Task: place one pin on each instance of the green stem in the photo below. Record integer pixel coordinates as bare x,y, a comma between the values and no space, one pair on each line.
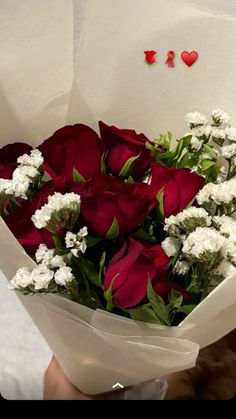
74,291
231,213
86,283
230,176
229,168
58,240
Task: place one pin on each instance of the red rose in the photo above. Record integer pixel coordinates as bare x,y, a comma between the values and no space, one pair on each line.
123,144
130,269
150,56
20,222
73,147
106,198
8,158
180,187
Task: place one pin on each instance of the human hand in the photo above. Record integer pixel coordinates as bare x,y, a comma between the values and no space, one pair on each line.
58,387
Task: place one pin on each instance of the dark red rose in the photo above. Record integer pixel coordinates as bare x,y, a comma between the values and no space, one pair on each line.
20,221
150,56
73,147
180,187
123,144
8,158
130,270
106,198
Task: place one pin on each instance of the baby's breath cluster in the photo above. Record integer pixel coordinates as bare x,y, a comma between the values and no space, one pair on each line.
26,177
61,211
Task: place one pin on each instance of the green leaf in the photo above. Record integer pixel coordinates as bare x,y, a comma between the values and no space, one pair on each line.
175,299
157,304
127,168
141,234
82,280
213,173
160,199
103,163
188,161
13,204
187,309
171,158
92,241
149,146
206,165
170,136
77,177
182,144
102,266
144,314
194,287
90,271
130,179
164,158
219,141
210,150
108,294
113,231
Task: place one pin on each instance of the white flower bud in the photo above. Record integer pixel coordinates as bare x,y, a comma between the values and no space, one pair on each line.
171,246
22,279
42,277
64,276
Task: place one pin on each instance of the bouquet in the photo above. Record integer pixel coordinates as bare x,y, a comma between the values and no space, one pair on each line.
131,243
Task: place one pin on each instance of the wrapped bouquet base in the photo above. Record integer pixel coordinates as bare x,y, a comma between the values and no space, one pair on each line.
97,349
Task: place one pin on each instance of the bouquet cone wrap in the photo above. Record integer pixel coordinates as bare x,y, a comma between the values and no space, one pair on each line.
97,349
110,81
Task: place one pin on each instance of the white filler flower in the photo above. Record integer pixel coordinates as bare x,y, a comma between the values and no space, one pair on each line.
226,269
57,262
171,223
64,276
193,213
6,187
35,159
22,279
171,246
195,118
188,220
77,242
202,131
202,241
219,134
48,257
181,267
43,254
42,276
231,134
70,239
22,177
220,117
196,144
228,151
223,193
56,203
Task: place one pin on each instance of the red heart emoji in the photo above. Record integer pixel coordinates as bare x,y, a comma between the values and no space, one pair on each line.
189,58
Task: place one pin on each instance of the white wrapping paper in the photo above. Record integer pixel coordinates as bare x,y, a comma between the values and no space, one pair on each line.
112,82
36,67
